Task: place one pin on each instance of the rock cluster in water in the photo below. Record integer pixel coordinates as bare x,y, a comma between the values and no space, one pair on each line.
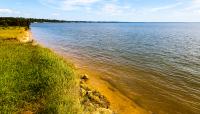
92,100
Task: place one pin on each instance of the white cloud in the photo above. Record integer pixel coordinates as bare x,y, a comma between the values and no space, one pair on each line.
6,11
68,5
75,4
55,14
196,1
195,5
116,10
112,9
166,7
180,10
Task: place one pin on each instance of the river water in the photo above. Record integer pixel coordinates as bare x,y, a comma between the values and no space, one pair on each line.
157,65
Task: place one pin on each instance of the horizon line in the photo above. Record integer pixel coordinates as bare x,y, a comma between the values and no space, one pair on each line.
98,21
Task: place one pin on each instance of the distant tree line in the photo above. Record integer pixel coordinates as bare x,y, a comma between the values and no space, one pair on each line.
24,22
10,21
32,20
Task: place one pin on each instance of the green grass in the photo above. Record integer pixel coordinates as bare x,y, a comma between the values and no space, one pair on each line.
33,78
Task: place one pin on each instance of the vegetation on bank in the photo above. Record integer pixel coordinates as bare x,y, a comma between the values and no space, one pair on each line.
12,32
10,21
23,22
34,79
15,21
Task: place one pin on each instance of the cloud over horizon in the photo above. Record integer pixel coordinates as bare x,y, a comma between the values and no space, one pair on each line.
106,10
68,5
8,11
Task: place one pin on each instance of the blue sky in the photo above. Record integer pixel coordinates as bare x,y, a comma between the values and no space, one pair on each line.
105,10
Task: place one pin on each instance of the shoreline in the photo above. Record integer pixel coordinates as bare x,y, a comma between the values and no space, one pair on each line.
119,103
96,110
149,97
34,79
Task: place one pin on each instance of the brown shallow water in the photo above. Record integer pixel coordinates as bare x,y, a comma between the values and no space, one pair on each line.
120,103
155,65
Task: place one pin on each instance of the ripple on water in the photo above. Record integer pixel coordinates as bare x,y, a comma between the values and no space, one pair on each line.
157,65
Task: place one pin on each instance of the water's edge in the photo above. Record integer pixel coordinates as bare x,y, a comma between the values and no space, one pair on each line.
156,65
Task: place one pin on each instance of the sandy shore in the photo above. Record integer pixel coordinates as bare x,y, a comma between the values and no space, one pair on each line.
120,104
27,37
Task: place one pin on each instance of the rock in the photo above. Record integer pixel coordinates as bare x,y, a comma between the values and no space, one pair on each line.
85,77
34,43
84,86
91,105
93,100
89,93
83,92
82,82
103,111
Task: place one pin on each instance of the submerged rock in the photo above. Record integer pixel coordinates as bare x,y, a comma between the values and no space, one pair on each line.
93,101
103,111
83,92
34,43
94,97
85,77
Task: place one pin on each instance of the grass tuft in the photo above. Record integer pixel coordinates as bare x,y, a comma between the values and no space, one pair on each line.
34,79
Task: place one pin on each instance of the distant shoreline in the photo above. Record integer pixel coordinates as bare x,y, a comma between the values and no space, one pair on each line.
107,22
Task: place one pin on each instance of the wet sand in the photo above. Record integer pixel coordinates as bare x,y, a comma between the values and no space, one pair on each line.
120,104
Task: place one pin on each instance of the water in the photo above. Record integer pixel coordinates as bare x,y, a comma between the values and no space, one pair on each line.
157,65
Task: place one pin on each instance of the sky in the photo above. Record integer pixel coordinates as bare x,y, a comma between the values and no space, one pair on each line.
105,10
